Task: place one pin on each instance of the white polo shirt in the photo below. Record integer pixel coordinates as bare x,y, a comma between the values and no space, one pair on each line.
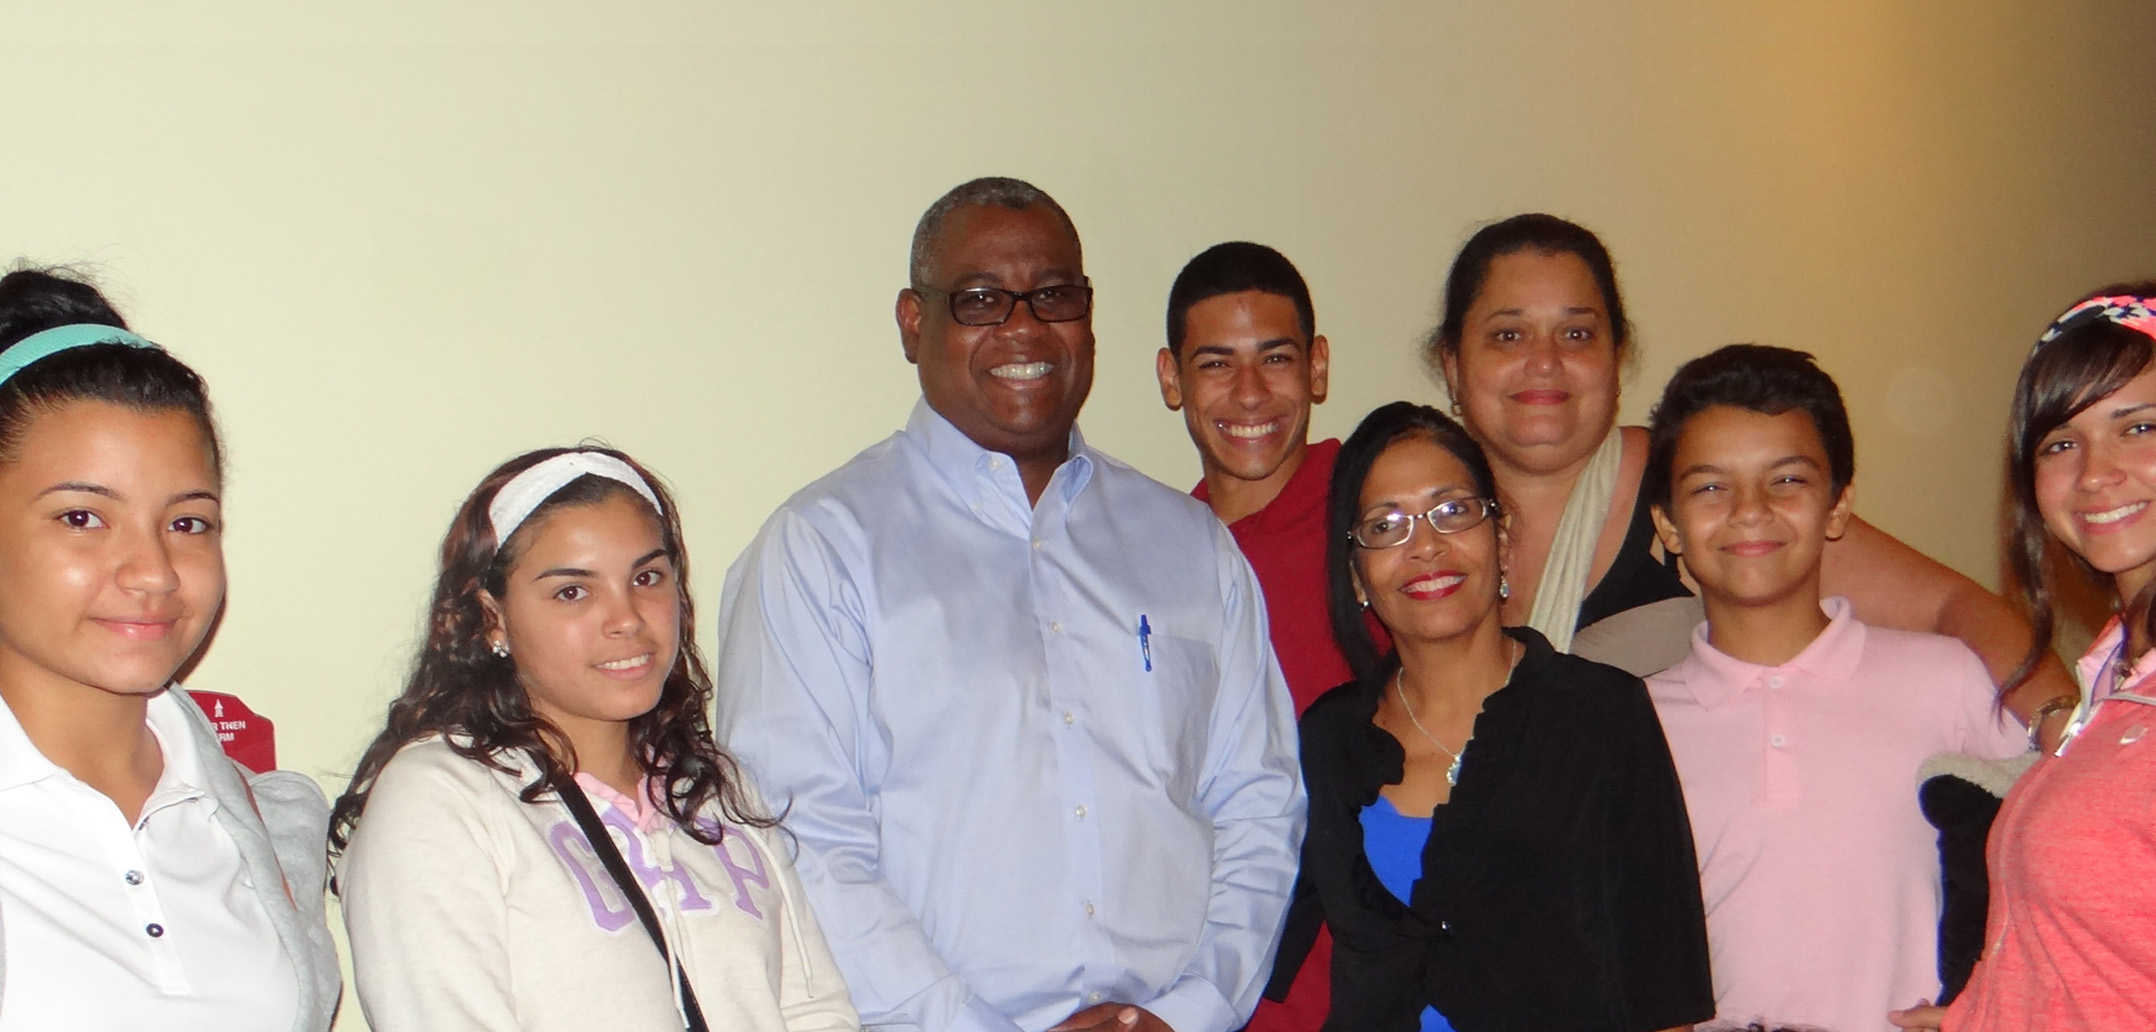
110,926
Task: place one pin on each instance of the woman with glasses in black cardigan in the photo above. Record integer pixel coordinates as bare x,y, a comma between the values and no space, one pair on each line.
1497,837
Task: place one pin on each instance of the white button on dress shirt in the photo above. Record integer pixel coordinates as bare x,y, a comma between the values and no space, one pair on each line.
108,925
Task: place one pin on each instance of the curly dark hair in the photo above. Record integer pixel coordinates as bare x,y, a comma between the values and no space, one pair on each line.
461,690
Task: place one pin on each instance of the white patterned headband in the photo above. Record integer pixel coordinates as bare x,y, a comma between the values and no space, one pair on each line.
526,491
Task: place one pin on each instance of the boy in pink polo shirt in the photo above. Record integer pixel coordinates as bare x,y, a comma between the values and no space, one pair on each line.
1797,729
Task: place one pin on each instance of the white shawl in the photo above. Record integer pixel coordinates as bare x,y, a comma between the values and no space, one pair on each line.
1572,552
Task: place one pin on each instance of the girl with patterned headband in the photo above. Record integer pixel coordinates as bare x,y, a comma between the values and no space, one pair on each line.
2072,927
145,880
547,783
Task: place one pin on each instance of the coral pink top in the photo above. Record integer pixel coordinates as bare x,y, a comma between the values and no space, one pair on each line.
2073,873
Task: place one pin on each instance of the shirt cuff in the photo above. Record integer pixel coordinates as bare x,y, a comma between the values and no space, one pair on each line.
1193,1004
946,1006
978,1016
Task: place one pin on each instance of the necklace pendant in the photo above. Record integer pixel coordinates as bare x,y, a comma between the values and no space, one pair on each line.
1452,773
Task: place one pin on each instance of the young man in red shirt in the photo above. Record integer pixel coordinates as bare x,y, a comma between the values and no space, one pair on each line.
1244,364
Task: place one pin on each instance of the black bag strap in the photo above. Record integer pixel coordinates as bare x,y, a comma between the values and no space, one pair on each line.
603,844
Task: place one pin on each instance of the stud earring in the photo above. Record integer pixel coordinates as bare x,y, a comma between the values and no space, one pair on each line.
501,649
1363,602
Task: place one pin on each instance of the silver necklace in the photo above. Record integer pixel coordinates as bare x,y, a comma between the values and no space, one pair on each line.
1452,773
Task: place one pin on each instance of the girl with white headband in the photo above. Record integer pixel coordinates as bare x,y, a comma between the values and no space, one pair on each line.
145,880
545,836
2071,933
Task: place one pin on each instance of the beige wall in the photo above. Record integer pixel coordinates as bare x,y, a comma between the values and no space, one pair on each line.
405,242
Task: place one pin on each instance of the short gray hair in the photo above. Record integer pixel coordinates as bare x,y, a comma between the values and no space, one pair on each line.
1002,191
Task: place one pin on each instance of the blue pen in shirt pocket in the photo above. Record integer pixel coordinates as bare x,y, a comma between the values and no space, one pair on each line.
1145,642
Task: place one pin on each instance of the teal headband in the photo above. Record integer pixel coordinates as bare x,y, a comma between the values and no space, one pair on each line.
38,346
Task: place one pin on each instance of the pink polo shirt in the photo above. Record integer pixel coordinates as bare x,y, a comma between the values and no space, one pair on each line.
2072,926
1820,873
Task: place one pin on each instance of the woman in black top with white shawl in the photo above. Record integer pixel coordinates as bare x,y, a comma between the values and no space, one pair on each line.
1555,888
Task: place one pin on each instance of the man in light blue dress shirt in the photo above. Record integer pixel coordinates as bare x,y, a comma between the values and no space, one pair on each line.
1019,696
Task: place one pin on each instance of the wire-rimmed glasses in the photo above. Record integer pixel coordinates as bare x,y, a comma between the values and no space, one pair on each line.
1451,516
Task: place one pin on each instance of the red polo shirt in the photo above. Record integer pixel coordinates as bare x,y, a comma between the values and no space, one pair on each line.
1285,543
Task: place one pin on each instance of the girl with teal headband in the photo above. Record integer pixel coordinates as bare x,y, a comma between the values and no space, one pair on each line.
145,880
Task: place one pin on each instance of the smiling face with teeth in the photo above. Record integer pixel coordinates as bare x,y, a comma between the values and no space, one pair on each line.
591,613
1015,388
1435,587
2094,479
1245,379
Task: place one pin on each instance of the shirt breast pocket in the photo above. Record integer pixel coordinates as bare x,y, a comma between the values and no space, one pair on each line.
1175,703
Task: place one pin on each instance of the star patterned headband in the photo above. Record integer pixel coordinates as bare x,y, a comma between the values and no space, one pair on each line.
2134,313
47,343
513,504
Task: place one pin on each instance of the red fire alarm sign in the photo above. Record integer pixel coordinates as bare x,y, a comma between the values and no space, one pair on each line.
248,737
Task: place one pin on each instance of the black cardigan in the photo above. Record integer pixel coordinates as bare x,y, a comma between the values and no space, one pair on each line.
1559,889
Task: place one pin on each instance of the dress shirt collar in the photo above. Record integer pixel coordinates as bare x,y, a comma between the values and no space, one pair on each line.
966,466
642,809
21,763
1714,677
1301,498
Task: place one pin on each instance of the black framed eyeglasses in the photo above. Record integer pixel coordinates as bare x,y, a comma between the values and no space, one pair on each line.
1451,516
992,306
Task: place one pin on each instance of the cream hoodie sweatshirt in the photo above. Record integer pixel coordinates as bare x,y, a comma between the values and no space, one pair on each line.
470,909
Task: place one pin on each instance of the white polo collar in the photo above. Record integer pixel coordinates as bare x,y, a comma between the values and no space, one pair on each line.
20,762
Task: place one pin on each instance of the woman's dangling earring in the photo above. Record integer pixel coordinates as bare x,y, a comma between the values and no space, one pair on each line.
1504,588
